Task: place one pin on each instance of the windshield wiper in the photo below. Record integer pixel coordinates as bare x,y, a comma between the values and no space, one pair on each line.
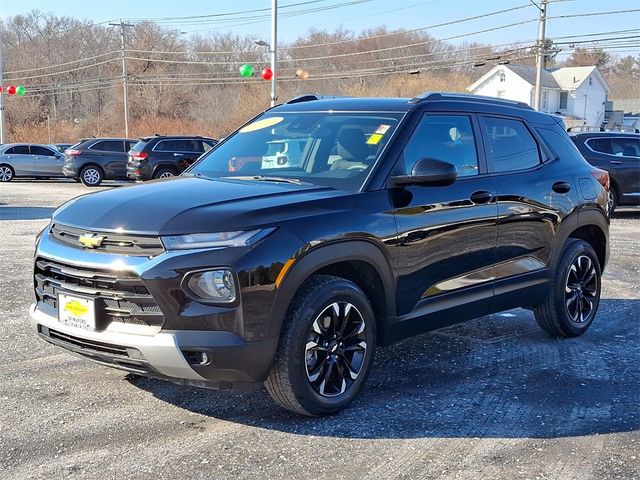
264,178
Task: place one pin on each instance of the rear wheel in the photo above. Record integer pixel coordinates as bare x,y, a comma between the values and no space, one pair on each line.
91,176
164,173
6,173
574,294
326,347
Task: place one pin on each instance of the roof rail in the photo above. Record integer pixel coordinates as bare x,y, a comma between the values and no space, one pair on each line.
309,97
425,96
467,96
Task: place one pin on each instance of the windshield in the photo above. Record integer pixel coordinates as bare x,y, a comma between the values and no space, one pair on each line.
324,148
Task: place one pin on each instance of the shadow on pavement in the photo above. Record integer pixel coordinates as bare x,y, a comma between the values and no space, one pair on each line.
25,213
497,376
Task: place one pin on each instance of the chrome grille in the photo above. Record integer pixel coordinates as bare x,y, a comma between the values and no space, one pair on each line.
121,244
120,296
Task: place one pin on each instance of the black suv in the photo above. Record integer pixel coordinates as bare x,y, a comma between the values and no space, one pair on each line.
619,154
401,216
93,160
165,156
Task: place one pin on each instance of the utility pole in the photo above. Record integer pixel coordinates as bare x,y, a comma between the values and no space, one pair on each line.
2,94
274,49
540,53
123,47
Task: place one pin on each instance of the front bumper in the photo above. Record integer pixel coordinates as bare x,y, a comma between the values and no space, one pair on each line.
233,364
169,350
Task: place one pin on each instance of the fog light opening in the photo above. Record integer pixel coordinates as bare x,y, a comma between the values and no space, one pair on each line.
196,357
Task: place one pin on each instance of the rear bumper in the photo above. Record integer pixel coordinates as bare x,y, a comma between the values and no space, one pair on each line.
170,355
70,171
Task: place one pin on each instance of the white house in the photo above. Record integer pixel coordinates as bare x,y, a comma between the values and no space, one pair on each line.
578,94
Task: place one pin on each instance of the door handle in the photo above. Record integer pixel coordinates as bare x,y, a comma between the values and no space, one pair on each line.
615,162
561,187
481,197
178,154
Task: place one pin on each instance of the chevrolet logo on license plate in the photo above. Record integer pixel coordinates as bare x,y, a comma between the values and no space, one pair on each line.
91,240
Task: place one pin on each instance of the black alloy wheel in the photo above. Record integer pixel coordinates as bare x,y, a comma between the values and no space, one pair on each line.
581,289
336,348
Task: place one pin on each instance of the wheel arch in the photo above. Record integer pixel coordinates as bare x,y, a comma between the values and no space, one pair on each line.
160,166
359,261
590,225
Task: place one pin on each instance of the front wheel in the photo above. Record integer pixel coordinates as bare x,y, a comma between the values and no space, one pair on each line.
612,200
574,294
326,347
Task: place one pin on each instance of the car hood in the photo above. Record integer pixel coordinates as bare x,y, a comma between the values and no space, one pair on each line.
196,205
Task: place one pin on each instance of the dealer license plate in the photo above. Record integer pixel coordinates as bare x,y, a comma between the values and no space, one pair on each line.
76,312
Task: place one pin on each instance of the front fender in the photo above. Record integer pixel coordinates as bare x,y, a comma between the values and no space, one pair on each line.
311,260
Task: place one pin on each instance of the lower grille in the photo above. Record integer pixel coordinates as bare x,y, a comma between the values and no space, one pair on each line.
119,296
84,344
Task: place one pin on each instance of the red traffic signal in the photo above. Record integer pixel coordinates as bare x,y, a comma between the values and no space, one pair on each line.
11,89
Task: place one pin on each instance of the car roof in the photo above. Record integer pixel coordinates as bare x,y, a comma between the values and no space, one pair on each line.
164,137
97,139
5,145
428,101
582,135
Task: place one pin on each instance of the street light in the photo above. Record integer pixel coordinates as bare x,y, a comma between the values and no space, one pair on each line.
262,43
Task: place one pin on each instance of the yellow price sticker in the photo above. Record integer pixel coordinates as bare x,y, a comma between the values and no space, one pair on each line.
374,139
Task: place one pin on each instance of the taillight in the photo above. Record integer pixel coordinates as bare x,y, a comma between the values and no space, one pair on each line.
602,176
282,160
73,152
139,155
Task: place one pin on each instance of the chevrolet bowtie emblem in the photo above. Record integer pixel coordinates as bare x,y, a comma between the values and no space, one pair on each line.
91,240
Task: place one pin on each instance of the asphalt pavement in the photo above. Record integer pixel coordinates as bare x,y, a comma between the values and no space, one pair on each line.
494,398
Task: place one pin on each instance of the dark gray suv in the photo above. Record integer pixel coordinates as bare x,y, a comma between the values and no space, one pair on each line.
96,159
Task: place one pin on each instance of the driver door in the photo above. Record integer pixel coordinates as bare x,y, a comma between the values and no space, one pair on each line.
447,235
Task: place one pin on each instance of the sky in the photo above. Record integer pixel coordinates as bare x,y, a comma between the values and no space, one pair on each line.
355,15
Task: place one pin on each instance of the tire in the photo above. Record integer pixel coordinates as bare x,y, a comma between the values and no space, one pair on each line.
6,173
164,173
613,200
91,176
577,276
309,374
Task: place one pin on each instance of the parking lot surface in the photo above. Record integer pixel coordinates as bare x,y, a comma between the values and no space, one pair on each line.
494,398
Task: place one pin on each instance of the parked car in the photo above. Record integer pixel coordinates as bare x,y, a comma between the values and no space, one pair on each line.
93,160
164,156
29,160
619,154
434,210
61,147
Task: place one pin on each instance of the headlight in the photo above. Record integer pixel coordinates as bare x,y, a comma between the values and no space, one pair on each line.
213,240
216,286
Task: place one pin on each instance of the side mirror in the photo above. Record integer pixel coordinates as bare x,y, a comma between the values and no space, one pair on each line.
429,172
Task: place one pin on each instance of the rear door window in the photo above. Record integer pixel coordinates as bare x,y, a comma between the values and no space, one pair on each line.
510,144
601,145
109,146
42,151
166,146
